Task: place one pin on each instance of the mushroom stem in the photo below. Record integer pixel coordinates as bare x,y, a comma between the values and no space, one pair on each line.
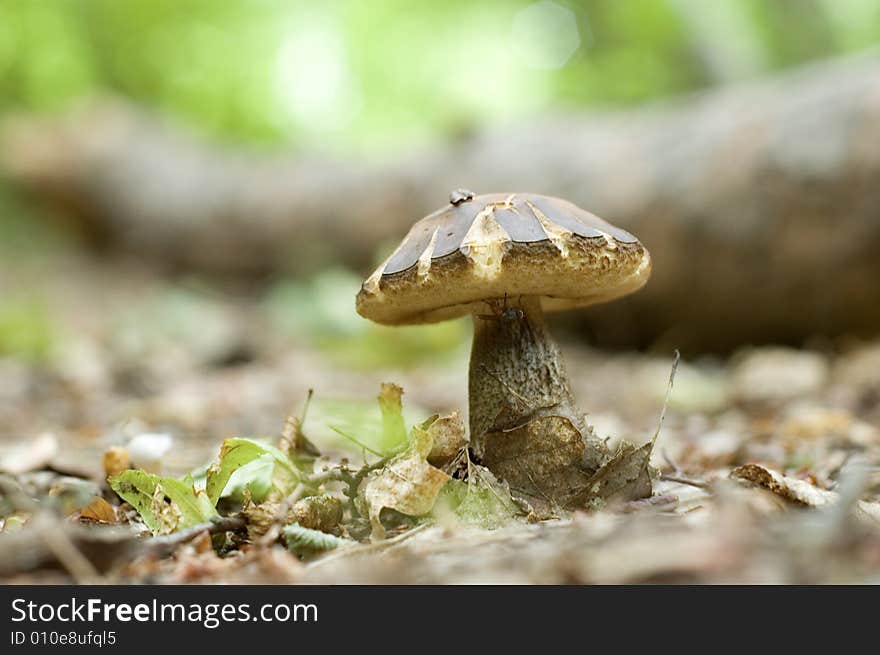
516,370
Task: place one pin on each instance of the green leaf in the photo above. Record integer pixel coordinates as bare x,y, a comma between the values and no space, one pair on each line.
239,452
305,541
254,479
393,425
481,501
383,438
165,504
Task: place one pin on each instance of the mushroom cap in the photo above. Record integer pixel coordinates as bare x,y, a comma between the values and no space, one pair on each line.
498,245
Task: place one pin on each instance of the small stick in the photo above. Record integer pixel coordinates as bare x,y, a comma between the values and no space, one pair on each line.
280,520
669,461
684,480
66,552
675,362
57,539
165,545
674,477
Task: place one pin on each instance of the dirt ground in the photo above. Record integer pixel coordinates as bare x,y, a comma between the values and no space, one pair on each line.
769,457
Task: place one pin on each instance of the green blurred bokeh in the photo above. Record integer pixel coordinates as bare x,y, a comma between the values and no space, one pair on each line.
390,73
319,311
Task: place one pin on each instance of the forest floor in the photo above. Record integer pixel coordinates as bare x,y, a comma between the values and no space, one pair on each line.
769,459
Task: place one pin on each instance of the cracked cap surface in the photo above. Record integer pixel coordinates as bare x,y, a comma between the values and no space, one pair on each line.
484,247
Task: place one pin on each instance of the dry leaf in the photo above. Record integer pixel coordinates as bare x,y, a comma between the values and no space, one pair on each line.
116,460
318,512
799,492
448,437
293,440
263,517
99,511
407,483
792,489
625,477
541,461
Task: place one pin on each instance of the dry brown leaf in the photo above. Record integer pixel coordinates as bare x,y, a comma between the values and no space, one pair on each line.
796,491
541,461
448,436
99,511
116,460
263,517
293,440
407,483
625,477
800,492
318,512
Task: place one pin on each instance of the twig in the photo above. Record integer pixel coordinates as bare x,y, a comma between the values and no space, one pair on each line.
675,362
676,475
671,463
684,480
68,554
55,537
332,474
653,502
166,544
280,520
355,483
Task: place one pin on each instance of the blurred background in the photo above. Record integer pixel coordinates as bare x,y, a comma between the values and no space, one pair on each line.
191,193
357,77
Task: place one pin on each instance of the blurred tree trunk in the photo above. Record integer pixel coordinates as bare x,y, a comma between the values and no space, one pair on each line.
760,202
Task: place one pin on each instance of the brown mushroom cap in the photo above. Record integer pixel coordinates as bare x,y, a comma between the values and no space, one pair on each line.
503,244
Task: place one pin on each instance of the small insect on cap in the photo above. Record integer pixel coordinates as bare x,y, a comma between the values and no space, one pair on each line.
503,244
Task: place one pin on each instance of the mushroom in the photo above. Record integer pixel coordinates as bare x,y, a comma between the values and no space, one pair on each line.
505,259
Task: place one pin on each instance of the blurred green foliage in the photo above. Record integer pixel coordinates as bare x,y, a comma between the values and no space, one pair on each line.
350,74
25,329
26,229
320,311
355,425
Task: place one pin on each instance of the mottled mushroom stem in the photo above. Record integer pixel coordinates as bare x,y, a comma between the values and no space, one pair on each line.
516,370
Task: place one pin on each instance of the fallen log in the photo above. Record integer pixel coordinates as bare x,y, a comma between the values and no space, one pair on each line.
760,202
